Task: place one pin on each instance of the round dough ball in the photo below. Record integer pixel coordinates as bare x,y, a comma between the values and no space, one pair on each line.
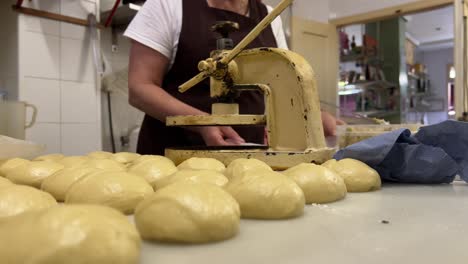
202,164
125,157
104,164
10,164
153,169
73,161
100,155
188,212
119,190
50,157
59,183
204,176
148,157
33,172
330,164
239,166
266,194
357,175
4,182
16,199
72,234
319,184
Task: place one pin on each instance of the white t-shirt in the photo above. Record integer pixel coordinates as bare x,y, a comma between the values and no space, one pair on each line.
159,22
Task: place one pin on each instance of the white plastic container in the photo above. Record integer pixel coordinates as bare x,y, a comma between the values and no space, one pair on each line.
13,118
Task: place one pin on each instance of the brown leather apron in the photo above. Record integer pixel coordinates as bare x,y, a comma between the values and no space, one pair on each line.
196,41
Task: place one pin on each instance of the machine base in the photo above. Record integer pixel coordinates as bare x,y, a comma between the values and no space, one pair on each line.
278,160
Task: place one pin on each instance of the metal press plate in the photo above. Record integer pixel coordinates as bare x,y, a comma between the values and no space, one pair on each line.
216,120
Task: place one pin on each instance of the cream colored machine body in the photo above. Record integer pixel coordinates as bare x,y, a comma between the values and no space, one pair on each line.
292,115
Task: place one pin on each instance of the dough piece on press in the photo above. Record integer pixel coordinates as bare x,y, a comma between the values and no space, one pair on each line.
319,184
104,164
204,176
202,164
72,234
5,182
238,166
125,157
50,157
16,199
357,175
59,183
152,168
10,164
33,172
119,190
73,161
100,155
266,194
188,212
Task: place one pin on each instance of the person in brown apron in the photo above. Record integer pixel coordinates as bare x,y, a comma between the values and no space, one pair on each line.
147,76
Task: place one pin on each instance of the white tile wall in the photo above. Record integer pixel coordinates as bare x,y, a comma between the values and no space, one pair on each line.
45,133
45,95
79,102
41,25
78,9
49,6
76,61
79,139
57,74
39,55
37,24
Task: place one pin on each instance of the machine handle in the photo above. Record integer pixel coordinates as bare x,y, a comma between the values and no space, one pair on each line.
266,21
194,81
34,115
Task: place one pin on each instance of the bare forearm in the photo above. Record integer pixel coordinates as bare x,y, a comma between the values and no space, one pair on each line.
156,102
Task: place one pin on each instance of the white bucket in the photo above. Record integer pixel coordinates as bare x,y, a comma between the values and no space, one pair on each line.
13,118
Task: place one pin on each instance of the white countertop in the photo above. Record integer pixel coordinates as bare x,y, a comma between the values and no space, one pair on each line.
427,224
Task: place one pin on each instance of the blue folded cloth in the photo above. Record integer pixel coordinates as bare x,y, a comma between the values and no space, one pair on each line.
436,154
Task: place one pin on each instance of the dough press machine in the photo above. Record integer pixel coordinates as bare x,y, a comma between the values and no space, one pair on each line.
292,107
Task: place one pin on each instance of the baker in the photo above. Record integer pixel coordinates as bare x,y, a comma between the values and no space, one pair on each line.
169,38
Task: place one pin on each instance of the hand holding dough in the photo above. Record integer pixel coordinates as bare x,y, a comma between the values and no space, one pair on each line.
202,164
204,176
239,166
16,199
188,212
59,183
266,195
120,190
319,184
152,168
72,234
357,175
34,172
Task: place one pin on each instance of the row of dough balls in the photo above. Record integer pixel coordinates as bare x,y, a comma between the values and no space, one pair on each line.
196,211
253,191
120,183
